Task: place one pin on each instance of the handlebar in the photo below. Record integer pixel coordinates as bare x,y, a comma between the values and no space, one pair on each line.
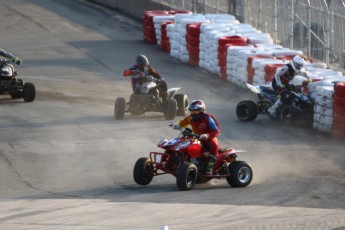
187,132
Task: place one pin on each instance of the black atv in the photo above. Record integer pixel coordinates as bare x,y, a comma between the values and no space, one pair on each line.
10,85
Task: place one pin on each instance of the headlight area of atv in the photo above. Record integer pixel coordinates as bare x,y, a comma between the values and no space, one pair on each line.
161,143
182,145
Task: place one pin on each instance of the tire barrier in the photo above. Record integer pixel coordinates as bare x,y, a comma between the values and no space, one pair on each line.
223,44
193,42
151,23
165,42
148,25
323,109
339,110
158,22
240,54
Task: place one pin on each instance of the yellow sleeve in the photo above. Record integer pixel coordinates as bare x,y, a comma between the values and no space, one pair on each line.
185,122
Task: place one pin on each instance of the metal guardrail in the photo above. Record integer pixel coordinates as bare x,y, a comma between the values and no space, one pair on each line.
316,27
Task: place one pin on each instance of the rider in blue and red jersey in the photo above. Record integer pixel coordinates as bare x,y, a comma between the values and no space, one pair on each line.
204,125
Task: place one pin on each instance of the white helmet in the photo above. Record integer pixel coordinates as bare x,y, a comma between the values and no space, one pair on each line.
297,63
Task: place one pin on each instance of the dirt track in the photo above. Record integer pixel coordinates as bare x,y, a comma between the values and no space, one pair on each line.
65,163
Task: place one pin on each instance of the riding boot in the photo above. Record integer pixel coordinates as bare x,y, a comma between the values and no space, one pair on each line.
274,107
210,165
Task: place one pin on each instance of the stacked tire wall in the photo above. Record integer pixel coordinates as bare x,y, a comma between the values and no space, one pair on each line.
339,110
244,64
240,54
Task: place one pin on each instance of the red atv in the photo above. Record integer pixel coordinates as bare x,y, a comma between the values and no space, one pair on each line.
183,158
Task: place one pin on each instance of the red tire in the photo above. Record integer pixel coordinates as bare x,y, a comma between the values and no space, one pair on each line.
340,110
268,77
238,40
194,56
338,100
194,29
252,58
222,49
338,133
340,119
193,62
339,89
193,49
194,41
271,68
180,12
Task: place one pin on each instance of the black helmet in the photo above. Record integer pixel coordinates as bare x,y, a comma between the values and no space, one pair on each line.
142,60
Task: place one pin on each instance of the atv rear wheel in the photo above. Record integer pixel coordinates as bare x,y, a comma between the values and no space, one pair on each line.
170,109
186,176
143,171
246,111
119,109
241,174
182,104
29,92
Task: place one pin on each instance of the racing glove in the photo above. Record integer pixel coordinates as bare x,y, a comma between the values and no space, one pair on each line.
281,86
16,60
175,126
204,136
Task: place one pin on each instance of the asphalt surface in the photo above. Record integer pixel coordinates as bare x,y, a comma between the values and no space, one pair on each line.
66,163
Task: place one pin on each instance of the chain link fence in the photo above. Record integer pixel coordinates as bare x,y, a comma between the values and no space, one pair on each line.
315,27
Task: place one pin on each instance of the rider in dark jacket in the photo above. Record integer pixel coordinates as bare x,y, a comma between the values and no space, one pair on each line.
142,69
281,82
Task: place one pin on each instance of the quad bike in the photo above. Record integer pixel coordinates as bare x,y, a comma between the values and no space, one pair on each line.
184,158
297,106
146,98
10,85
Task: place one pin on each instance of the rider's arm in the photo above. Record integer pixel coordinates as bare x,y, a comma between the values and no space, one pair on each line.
154,73
184,122
130,72
127,73
214,130
6,54
279,73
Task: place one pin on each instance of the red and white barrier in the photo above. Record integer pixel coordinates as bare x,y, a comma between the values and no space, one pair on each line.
239,53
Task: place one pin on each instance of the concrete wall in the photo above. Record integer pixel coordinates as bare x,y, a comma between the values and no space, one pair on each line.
135,8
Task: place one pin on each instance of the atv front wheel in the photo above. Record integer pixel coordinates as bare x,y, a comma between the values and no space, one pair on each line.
119,109
170,109
29,92
143,171
246,111
182,104
186,176
241,174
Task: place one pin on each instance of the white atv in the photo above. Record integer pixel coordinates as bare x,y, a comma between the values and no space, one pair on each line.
146,98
